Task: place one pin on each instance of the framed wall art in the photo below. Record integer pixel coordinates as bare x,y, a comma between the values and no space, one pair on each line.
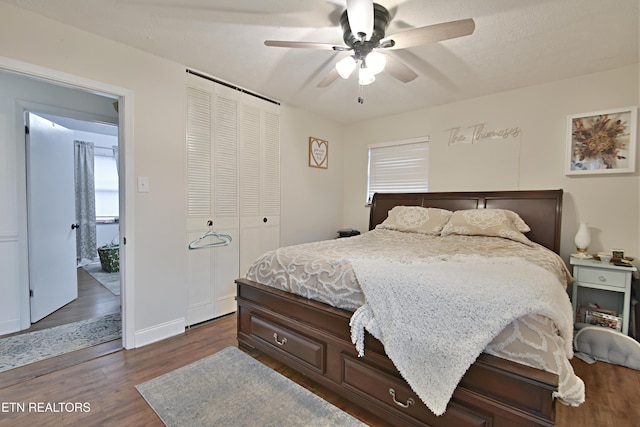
318,153
602,142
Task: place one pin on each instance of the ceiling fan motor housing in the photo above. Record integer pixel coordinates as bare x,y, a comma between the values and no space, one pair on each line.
360,47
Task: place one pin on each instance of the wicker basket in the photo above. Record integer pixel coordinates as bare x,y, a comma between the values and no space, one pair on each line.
109,258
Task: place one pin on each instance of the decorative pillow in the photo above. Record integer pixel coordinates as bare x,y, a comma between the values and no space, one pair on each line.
416,219
488,222
608,345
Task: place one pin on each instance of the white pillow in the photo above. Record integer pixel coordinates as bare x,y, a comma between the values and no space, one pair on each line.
416,219
608,345
488,222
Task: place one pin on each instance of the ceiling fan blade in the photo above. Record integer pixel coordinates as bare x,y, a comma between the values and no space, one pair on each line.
329,78
305,45
360,15
429,34
399,70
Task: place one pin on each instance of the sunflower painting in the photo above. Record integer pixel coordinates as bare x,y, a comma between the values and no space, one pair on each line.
602,142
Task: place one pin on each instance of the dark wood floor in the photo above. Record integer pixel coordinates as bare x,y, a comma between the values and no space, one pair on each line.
107,385
94,300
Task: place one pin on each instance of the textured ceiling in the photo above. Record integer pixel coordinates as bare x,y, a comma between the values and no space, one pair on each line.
516,43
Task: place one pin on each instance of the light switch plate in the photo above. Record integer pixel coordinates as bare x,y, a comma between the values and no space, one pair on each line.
143,184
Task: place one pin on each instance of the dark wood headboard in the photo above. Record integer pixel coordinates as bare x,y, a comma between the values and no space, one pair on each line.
540,209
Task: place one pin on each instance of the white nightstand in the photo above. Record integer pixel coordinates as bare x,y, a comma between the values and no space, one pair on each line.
604,276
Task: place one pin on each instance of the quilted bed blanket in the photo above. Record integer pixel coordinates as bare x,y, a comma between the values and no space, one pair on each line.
325,271
426,313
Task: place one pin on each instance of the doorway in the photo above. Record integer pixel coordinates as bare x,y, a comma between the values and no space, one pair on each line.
72,189
53,90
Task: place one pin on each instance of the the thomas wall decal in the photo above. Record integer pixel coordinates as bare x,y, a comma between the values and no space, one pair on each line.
479,133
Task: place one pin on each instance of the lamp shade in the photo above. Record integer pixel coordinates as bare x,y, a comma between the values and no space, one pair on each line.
375,62
345,66
360,15
583,238
365,76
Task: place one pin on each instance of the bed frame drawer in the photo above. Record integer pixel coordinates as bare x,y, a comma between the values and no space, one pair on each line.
283,339
395,394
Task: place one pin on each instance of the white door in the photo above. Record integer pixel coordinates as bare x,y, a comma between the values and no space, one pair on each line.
50,216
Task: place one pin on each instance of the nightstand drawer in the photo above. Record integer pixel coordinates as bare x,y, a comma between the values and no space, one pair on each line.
599,276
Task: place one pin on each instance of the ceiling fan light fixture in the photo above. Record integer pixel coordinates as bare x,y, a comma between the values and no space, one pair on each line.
365,76
345,66
360,14
375,62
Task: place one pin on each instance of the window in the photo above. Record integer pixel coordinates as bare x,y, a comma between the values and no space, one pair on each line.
398,167
106,187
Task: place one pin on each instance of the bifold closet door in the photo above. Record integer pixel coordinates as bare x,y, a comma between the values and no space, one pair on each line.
212,195
259,183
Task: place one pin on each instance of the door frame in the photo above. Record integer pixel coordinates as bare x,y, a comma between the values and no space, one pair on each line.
126,187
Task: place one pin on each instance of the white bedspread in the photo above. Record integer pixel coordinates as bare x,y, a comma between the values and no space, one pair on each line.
322,271
426,313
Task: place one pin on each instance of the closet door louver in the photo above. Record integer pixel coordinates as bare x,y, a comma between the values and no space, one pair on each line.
226,157
250,165
270,191
199,151
271,164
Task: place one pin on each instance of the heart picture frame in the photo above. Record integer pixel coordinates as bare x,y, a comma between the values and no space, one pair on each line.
318,153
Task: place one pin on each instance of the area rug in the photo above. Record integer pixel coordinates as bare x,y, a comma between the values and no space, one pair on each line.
110,281
20,350
230,388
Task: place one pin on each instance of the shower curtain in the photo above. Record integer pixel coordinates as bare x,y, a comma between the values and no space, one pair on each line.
85,202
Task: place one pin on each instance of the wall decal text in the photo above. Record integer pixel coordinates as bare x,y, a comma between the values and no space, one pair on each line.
479,133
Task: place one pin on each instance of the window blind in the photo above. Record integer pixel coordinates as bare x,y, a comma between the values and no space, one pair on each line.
398,168
106,187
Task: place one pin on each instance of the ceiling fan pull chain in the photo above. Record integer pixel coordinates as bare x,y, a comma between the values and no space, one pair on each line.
360,94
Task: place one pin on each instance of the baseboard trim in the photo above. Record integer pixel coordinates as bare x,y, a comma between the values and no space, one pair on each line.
9,326
159,332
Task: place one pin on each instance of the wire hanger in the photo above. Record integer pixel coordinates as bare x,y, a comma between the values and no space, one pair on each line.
219,239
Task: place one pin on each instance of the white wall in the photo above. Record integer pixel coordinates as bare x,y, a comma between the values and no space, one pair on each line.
533,160
311,199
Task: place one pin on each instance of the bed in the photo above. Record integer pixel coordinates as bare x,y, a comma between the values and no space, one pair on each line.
308,327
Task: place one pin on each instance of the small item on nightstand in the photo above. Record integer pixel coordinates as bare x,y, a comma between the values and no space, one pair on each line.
582,239
348,232
617,253
622,264
604,256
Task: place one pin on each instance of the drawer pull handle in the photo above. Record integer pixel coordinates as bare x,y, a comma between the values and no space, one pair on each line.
410,401
282,342
602,279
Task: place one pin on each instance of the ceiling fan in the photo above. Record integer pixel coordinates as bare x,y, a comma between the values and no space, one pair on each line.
364,24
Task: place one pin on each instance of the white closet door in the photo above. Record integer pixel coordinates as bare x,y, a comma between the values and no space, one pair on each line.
225,166
233,178
250,185
259,182
212,198
201,296
270,192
